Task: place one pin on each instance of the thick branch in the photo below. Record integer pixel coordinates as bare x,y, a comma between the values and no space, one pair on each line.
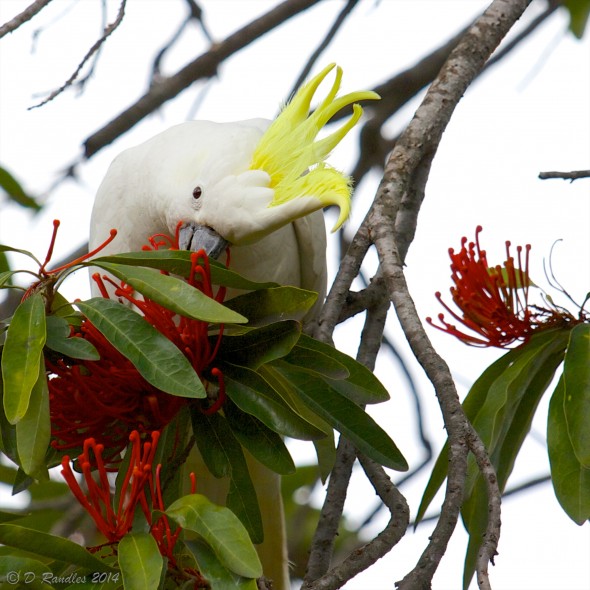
205,66
26,15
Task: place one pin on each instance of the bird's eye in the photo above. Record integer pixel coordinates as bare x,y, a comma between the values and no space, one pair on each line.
197,192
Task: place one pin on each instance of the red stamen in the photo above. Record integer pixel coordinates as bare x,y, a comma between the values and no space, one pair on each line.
112,236
50,249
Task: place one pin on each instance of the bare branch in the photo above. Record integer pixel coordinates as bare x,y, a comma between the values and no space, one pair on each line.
322,46
26,15
488,549
571,176
203,66
367,555
106,34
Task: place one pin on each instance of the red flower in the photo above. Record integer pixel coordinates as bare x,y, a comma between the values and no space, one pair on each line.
112,521
108,398
493,300
139,488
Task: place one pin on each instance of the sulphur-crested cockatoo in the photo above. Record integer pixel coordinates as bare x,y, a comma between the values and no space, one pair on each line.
257,186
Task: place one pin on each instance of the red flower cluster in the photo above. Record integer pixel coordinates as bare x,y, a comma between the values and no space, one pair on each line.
139,488
108,398
493,300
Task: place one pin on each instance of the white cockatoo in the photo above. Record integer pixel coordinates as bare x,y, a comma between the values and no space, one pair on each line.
257,186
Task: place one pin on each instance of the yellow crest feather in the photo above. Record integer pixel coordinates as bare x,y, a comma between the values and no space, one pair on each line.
293,159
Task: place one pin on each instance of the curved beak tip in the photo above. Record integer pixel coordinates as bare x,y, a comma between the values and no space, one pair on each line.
194,237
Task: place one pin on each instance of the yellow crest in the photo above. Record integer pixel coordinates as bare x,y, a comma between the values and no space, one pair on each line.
293,159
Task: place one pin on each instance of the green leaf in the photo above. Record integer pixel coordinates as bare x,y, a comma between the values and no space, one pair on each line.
8,516
173,293
140,561
264,444
33,431
15,191
7,430
362,385
472,403
215,572
4,248
316,361
252,394
267,306
221,530
58,339
223,456
50,546
344,415
156,358
179,262
29,571
20,358
571,480
579,12
576,373
261,345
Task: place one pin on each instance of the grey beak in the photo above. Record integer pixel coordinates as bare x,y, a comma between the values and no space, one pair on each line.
195,237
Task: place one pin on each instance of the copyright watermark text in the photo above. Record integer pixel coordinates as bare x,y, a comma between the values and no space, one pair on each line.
22,577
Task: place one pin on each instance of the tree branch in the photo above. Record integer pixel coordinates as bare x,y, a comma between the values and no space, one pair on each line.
348,8
106,34
26,15
571,176
367,555
203,66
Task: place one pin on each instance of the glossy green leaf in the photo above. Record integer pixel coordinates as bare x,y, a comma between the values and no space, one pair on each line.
59,340
156,358
33,431
264,444
7,430
213,570
221,530
20,357
6,276
252,394
288,393
471,404
15,191
223,456
4,248
29,572
261,345
571,480
361,383
267,306
576,373
348,418
173,293
318,362
325,449
179,262
50,546
140,561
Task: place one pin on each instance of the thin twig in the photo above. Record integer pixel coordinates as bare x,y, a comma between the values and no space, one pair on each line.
204,66
488,549
367,555
323,45
26,15
571,176
106,34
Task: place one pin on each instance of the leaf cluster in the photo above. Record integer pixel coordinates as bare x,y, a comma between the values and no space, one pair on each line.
279,383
